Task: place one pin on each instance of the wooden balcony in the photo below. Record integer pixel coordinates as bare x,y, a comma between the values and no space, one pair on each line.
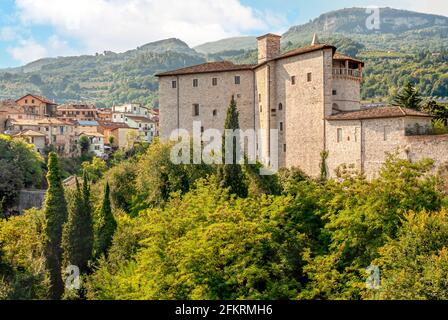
345,73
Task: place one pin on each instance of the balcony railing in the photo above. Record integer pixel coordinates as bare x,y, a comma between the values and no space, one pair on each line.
344,72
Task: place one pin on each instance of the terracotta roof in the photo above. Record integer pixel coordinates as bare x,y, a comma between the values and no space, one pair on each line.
36,122
30,133
208,67
76,106
139,119
113,125
91,134
302,50
340,56
378,112
40,98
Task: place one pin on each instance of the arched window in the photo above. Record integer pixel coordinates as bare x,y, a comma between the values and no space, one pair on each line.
215,112
280,107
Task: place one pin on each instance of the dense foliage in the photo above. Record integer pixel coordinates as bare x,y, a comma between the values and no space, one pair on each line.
20,167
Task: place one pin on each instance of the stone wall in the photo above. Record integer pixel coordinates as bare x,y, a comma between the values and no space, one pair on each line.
30,199
434,147
210,98
303,108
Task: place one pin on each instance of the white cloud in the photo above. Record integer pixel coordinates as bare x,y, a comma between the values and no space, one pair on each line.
29,49
124,24
7,33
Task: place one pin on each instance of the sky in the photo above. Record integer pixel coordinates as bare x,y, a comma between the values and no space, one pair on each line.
34,29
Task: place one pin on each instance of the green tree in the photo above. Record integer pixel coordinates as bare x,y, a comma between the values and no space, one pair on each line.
231,175
84,144
77,240
409,97
105,225
414,266
94,169
55,210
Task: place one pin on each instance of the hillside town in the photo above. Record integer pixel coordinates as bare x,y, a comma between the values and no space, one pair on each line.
50,126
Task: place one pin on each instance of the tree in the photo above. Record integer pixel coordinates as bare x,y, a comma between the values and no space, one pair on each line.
84,144
94,169
77,241
106,225
231,175
409,97
55,210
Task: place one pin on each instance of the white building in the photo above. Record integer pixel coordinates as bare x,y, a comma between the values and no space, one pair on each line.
136,117
96,142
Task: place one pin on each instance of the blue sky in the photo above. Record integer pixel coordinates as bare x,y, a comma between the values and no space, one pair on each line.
33,29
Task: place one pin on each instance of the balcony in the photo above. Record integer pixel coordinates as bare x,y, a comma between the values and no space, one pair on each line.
345,73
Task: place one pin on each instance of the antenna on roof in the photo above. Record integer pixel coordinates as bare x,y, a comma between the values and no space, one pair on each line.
315,40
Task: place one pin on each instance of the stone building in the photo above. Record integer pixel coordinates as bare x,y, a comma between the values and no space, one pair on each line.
76,112
310,95
37,106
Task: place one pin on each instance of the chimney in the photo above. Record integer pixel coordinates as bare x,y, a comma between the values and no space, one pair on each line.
268,47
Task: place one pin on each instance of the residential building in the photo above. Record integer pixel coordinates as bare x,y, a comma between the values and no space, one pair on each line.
37,106
76,112
37,139
96,142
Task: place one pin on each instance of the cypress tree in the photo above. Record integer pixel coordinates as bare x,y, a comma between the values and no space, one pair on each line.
106,225
55,210
77,239
408,97
231,175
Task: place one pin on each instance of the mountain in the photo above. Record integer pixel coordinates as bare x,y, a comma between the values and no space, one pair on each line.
237,43
408,46
398,29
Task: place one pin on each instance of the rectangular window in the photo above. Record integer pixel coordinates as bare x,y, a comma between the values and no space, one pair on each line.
202,129
196,110
284,147
356,134
261,108
237,80
259,97
309,77
293,80
195,83
281,126
386,132
339,135
214,81
335,92
174,84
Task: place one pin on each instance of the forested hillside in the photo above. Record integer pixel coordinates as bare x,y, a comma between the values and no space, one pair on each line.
408,46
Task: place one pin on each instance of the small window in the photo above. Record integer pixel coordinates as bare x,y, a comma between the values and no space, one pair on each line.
214,81
196,110
293,80
335,92
32,101
259,97
386,133
195,82
215,113
26,100
202,129
237,80
280,107
309,77
339,135
284,147
261,108
281,126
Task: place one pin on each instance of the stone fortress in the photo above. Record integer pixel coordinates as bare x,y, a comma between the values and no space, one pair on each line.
311,95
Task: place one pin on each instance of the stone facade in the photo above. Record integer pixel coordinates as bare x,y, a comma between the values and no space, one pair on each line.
298,93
